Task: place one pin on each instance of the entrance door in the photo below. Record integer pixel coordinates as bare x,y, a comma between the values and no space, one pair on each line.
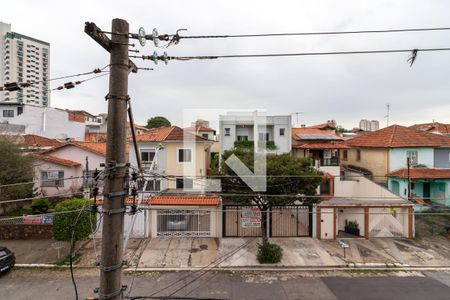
426,190
326,223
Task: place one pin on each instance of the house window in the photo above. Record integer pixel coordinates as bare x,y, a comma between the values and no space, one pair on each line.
52,178
152,185
184,155
8,113
147,156
358,155
227,131
413,157
242,138
412,185
184,183
282,131
345,155
205,135
20,108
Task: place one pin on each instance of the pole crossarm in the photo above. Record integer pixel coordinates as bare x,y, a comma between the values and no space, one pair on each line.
103,40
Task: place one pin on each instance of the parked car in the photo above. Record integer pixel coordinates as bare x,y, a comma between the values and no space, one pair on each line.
7,259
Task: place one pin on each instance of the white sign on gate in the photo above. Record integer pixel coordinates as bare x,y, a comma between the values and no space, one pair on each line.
251,217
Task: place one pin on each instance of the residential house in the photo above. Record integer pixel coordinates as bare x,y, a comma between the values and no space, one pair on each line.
381,152
174,215
61,170
179,158
49,122
242,128
426,184
201,128
319,142
371,209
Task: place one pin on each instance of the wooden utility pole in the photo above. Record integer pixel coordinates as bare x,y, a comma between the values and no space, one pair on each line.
116,168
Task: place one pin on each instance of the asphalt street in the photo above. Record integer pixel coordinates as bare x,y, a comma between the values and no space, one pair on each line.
38,284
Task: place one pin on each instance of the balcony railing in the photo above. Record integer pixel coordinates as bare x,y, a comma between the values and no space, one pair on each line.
270,145
327,162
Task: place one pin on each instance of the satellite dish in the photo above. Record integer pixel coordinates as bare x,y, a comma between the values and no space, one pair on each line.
141,36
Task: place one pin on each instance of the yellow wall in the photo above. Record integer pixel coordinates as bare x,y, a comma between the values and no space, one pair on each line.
197,168
376,160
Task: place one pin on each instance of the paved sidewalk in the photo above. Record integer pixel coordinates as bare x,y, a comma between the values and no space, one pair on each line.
179,252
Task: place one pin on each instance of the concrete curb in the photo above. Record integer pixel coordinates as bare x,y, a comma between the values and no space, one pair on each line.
349,267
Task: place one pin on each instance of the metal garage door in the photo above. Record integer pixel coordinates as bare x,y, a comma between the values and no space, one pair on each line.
181,222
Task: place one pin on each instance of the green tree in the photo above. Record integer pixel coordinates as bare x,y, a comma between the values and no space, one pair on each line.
75,225
288,177
15,167
157,122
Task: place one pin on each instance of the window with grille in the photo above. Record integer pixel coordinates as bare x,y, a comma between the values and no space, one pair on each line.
52,178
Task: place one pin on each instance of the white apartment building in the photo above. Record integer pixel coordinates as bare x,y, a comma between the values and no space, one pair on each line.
49,122
237,127
367,125
24,59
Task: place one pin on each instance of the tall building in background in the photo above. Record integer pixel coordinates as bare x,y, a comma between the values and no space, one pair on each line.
24,59
367,125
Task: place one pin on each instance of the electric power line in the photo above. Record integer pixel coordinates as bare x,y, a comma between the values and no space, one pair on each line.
314,33
29,84
167,58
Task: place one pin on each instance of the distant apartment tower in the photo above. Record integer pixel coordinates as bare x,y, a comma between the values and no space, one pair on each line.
367,125
24,59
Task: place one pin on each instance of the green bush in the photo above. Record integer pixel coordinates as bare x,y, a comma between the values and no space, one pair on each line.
269,253
64,224
40,206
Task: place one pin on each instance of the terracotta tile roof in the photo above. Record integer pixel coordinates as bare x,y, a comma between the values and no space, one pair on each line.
57,160
33,140
99,148
422,173
173,133
435,127
185,200
94,147
333,145
128,201
140,127
396,136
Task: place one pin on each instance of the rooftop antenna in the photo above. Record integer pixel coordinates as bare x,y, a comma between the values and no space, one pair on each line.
388,106
297,113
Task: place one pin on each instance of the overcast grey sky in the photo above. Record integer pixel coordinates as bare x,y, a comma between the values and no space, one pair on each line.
344,88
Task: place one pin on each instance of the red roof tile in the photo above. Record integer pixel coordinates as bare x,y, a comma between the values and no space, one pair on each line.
99,148
33,140
185,200
420,173
433,127
396,136
310,130
173,133
57,160
321,146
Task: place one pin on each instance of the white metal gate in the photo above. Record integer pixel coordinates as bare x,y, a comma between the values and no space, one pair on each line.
183,222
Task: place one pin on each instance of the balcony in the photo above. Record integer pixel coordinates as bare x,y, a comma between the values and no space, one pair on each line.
270,145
